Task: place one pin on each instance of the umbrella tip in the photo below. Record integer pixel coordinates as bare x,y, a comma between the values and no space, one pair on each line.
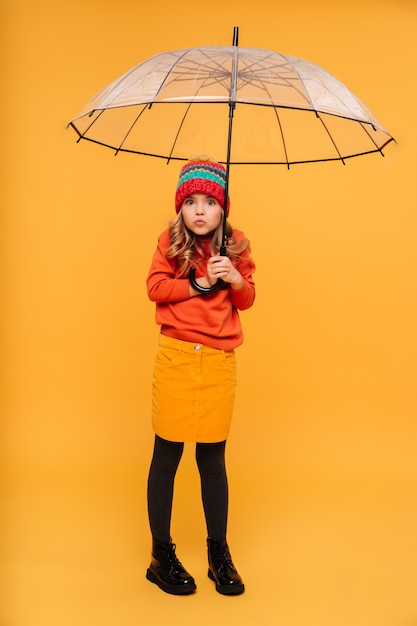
235,35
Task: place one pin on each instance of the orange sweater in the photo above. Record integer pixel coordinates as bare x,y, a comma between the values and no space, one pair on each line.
210,319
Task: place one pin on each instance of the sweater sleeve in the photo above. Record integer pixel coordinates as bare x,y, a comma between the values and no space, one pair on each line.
244,298
162,285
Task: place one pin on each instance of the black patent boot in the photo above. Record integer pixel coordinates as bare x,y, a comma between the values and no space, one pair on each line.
167,572
221,569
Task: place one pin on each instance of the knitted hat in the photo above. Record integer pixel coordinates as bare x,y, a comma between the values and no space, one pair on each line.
201,176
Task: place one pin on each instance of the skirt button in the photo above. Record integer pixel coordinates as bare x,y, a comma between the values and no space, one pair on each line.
197,348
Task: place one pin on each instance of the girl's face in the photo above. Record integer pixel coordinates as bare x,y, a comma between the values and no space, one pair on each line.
202,214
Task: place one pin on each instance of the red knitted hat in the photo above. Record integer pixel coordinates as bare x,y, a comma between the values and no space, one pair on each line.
202,176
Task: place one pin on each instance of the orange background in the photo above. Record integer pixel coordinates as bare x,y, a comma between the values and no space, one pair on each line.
322,456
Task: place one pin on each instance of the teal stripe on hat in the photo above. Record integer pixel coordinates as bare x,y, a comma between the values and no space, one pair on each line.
203,173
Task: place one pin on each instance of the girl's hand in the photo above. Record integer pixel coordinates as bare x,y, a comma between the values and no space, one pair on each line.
222,267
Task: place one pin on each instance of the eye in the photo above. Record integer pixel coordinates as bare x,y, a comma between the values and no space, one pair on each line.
189,201
210,201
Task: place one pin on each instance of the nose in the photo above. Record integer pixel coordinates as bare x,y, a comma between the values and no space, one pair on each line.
199,208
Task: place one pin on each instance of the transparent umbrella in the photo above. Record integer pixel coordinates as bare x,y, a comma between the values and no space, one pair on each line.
240,105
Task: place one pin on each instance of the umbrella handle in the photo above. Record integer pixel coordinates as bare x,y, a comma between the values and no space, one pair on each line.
201,289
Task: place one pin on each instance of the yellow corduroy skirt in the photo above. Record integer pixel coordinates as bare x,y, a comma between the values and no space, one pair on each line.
193,391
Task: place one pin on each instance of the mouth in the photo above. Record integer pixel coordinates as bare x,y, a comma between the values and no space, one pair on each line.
199,222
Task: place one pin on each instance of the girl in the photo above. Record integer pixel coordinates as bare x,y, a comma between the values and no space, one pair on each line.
195,371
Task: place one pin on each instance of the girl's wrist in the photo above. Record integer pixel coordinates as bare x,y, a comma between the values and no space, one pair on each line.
237,284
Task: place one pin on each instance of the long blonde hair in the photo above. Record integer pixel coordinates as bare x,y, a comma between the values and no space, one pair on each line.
185,245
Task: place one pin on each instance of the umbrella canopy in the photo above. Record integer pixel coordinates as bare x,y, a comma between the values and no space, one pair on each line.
287,110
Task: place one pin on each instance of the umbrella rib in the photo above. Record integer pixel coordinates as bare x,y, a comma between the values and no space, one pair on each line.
306,93
284,145
265,88
330,135
82,135
131,128
166,77
185,71
182,122
365,129
252,70
178,132
222,74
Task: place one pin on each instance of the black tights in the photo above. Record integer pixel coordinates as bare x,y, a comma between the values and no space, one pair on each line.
210,459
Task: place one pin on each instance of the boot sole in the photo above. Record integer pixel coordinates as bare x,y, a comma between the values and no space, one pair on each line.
226,590
180,590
